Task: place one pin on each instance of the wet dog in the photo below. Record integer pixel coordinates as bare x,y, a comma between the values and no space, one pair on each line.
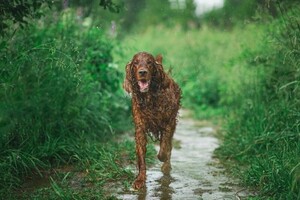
155,104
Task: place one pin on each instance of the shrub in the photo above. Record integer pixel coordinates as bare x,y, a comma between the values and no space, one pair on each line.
263,132
57,81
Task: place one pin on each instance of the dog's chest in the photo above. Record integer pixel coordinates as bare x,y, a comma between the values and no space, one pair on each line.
156,110
155,104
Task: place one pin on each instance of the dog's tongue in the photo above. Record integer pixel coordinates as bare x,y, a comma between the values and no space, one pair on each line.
143,85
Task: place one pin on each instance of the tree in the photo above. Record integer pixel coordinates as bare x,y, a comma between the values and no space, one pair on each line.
20,12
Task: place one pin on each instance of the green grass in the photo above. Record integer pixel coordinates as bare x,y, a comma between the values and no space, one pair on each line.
201,61
96,169
263,131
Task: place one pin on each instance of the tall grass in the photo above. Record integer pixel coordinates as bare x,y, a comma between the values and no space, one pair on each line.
58,83
102,170
263,131
198,59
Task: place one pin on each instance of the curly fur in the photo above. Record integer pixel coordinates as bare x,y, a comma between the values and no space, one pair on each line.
155,105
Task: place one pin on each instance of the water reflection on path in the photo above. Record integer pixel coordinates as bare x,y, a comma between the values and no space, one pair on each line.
195,173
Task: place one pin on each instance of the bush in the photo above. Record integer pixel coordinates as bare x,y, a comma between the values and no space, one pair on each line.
263,131
57,82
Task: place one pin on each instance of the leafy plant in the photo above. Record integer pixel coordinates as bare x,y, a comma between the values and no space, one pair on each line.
263,131
54,88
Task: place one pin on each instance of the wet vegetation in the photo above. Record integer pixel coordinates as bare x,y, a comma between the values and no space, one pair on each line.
63,111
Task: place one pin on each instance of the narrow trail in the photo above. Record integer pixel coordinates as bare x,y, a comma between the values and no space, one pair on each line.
195,173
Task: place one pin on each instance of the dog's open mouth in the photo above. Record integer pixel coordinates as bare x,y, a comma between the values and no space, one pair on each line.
144,85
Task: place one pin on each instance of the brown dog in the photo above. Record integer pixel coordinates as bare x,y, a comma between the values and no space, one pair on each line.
155,105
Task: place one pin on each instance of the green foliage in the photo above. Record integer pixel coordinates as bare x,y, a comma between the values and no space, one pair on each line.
57,82
141,14
19,12
263,131
232,12
110,5
235,12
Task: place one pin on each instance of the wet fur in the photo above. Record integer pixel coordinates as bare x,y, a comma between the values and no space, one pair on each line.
154,111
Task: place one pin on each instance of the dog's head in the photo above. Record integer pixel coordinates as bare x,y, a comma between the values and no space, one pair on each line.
144,73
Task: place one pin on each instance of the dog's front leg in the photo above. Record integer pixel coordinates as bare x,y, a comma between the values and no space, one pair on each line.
141,143
164,154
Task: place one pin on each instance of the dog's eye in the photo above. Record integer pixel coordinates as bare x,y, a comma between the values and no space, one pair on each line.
135,62
149,62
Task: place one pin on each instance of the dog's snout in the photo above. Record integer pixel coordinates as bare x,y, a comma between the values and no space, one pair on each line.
142,72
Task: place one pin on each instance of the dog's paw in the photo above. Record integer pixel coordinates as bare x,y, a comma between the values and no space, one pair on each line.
138,184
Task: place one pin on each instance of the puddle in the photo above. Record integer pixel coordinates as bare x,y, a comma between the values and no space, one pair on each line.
195,173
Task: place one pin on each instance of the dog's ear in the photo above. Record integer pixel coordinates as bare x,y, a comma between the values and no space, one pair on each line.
159,59
162,80
127,84
158,63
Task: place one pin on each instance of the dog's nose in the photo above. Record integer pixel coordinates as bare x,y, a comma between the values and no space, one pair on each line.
142,72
